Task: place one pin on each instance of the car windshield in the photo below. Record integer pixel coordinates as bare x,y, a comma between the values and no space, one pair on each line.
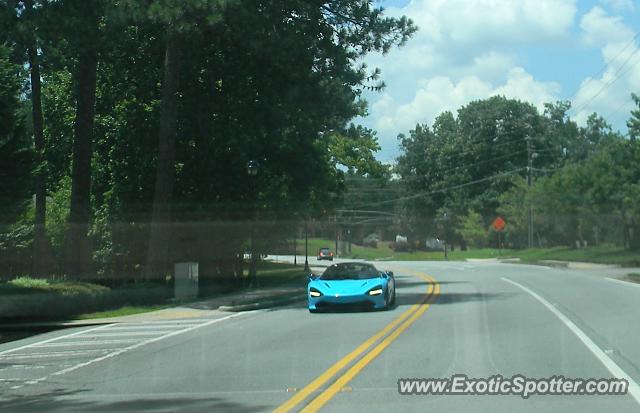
350,272
325,250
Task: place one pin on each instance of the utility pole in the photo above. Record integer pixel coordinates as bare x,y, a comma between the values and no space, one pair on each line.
306,246
530,208
337,233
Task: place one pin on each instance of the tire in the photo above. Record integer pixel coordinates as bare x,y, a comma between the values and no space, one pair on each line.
393,299
386,301
313,311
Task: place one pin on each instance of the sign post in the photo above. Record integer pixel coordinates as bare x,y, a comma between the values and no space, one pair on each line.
498,224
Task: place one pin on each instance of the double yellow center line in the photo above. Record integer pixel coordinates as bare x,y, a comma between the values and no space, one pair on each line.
389,333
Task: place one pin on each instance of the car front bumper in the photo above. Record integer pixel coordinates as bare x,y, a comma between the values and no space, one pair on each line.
324,301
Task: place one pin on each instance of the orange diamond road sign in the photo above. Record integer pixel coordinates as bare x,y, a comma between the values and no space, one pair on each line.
498,224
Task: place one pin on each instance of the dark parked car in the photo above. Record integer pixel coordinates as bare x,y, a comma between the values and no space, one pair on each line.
325,254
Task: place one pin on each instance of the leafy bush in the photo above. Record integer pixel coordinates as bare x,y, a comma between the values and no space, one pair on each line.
474,230
26,297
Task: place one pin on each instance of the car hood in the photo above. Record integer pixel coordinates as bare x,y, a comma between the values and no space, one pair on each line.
345,286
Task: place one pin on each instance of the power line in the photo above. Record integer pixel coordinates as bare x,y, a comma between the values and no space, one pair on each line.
414,196
607,63
471,150
624,102
467,166
616,77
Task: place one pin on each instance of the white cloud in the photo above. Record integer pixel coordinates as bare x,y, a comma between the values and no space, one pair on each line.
599,28
619,5
521,85
608,93
498,21
473,49
440,93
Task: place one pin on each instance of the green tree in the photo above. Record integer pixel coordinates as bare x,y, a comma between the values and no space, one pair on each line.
634,121
15,148
474,230
466,162
40,242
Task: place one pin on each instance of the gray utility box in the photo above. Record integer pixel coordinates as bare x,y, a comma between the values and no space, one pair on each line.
186,280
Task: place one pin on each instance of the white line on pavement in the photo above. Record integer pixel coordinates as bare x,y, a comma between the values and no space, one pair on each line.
627,283
126,327
192,321
57,353
123,334
85,343
135,346
634,389
13,350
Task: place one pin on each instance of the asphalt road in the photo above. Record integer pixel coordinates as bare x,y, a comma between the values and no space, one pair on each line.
478,319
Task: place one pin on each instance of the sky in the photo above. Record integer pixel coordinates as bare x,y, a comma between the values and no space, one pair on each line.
585,51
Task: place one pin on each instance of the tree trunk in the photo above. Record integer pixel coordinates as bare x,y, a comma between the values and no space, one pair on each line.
160,234
40,262
80,248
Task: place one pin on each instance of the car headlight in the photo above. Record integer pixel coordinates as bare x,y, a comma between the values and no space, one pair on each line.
376,291
314,292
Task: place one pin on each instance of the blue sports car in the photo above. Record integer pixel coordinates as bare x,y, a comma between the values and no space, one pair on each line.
351,283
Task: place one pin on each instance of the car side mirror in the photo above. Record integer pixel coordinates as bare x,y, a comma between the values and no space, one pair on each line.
390,273
312,276
384,275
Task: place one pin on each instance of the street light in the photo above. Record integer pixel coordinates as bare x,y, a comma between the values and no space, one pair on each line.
306,246
252,171
445,218
530,157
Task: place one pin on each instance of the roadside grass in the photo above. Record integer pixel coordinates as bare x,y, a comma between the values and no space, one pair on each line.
385,252
601,254
27,298
314,244
634,277
271,274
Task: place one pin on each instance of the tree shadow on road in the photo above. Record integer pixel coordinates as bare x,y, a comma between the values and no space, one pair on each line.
68,401
405,299
412,283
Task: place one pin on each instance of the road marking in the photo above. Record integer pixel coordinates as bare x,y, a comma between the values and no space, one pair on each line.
56,354
135,346
319,381
634,389
13,350
627,283
124,334
84,343
127,327
343,380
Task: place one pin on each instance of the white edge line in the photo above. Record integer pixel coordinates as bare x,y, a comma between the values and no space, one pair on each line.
135,346
627,283
13,350
634,389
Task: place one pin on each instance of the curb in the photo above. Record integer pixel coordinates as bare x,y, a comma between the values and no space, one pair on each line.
261,304
550,263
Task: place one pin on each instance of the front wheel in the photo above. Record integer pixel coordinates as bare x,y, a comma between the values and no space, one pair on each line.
386,300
